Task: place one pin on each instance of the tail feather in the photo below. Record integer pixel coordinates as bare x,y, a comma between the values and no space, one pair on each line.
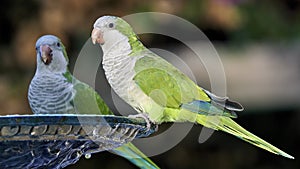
229,126
224,102
134,155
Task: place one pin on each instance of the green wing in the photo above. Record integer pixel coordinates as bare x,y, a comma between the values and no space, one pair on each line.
88,101
156,77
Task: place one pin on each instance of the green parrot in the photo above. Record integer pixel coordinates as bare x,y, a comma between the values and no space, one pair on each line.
156,88
53,89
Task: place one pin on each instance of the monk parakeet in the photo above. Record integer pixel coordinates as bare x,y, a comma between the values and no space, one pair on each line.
54,90
154,87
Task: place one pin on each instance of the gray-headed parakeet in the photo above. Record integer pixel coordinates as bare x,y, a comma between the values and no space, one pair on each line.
154,87
54,90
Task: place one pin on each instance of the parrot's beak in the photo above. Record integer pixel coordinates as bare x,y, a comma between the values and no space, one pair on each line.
46,54
97,36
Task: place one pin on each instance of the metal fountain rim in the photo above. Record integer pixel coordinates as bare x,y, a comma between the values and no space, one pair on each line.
34,127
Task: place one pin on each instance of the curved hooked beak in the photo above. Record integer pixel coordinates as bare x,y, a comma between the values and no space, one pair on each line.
97,36
46,54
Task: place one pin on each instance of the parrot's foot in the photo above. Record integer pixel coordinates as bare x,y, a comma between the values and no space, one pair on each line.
145,117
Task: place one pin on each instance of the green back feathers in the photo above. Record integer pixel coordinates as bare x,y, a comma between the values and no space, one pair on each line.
87,100
123,27
64,51
161,80
69,77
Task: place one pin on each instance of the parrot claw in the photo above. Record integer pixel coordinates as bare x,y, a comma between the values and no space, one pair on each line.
145,117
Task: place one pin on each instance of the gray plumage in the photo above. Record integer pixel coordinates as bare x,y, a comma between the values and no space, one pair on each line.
54,90
50,93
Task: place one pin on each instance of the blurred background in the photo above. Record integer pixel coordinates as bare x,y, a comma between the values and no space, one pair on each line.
257,41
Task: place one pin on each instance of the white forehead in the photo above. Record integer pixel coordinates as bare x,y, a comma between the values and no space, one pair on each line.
104,20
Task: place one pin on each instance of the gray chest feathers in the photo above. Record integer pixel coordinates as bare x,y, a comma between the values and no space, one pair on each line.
119,71
50,95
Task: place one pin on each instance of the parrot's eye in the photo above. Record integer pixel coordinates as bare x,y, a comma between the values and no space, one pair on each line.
58,44
111,25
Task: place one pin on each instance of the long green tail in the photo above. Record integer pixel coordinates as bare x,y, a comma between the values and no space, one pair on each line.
227,125
133,154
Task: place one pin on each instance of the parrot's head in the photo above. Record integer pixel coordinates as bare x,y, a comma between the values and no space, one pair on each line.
51,55
109,30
